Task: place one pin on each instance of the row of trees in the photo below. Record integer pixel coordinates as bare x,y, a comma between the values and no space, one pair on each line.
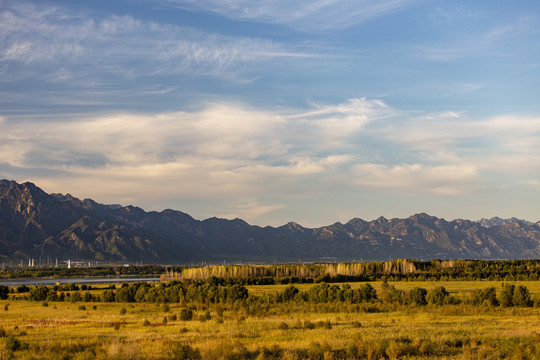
212,292
508,270
511,295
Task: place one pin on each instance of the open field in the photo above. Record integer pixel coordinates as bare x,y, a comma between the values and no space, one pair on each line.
88,330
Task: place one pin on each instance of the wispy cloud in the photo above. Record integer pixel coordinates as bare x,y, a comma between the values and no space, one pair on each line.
123,46
491,41
419,178
303,14
233,153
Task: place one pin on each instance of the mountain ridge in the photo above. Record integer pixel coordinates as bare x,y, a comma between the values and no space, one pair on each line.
34,223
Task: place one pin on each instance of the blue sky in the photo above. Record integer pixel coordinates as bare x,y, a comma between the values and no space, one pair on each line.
276,111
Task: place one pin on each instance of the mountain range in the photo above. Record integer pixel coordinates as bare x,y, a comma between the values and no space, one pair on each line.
36,224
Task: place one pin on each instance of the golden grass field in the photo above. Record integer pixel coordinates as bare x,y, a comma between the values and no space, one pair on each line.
64,330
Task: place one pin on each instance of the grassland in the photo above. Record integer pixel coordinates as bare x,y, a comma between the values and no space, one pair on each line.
96,330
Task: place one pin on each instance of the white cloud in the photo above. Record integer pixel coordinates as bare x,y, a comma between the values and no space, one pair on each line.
252,209
490,42
251,160
123,45
419,178
224,148
301,14
534,184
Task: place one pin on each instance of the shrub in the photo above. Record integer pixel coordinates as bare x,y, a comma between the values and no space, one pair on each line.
186,314
521,296
4,291
12,344
22,288
437,296
108,296
146,322
76,297
185,352
365,293
487,296
309,325
289,293
507,295
82,307
417,296
38,293
123,311
283,326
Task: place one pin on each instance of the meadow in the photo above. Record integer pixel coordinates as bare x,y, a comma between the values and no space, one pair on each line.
264,325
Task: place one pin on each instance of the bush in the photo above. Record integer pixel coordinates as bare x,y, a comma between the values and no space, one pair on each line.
186,314
487,296
38,293
283,326
108,296
82,307
12,344
437,296
123,311
507,295
22,289
289,293
4,291
185,352
76,297
417,296
309,325
521,296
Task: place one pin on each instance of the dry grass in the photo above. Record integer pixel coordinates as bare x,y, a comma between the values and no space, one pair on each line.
63,331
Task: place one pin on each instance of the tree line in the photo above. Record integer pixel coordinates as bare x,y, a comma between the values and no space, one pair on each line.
214,291
396,270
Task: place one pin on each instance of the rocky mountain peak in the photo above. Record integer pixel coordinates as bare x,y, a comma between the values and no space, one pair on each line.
33,223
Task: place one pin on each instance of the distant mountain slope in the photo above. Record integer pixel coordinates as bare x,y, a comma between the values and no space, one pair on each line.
34,223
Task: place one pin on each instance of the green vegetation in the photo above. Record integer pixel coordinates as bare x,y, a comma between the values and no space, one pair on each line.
216,318
62,272
397,270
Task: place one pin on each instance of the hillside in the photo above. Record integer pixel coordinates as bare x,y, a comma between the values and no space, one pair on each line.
34,223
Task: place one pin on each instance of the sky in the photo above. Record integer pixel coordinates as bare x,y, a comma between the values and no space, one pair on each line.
311,111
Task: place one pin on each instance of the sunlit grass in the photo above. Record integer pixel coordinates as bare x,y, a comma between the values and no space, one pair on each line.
78,330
